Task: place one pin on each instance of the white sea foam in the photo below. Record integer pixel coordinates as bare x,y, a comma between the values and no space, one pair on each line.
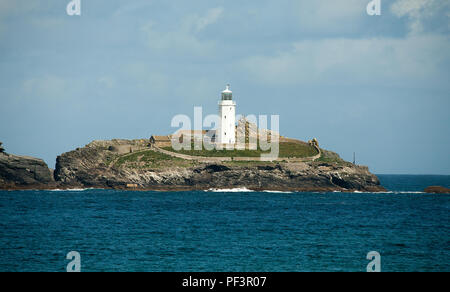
71,190
278,192
245,190
236,190
404,192
389,192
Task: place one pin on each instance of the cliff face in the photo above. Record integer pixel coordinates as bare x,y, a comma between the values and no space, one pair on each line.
23,172
95,166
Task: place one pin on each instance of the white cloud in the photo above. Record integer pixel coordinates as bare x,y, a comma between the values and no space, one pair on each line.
177,40
129,8
330,16
195,89
107,82
211,17
419,59
184,36
146,79
10,8
46,87
420,11
414,61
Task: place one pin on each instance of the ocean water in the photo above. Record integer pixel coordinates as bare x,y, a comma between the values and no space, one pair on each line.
228,231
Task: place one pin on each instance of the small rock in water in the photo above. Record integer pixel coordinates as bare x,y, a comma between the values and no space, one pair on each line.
437,190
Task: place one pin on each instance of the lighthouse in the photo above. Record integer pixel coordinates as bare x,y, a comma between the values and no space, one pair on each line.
227,114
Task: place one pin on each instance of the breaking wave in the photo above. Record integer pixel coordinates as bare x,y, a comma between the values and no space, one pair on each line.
236,190
71,190
278,192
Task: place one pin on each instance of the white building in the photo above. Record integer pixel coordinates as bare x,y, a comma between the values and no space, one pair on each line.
227,114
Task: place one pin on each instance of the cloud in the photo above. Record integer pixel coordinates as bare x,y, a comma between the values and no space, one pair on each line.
421,13
211,17
180,40
330,16
146,79
386,61
46,87
11,8
419,59
106,82
184,36
14,7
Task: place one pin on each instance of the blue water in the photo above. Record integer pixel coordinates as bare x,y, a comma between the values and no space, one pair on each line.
249,231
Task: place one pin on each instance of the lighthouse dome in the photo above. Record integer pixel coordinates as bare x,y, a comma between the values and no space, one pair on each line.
227,94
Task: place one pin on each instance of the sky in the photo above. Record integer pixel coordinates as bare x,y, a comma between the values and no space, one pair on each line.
375,85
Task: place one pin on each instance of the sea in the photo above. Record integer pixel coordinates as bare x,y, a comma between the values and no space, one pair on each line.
234,230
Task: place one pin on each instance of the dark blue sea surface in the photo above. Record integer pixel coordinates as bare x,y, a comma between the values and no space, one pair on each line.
228,231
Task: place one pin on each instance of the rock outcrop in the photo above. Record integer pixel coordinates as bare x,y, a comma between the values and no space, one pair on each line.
97,166
22,172
437,190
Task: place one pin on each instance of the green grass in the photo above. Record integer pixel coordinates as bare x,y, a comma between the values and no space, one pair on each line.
288,150
219,153
330,157
109,159
326,159
153,160
296,150
149,159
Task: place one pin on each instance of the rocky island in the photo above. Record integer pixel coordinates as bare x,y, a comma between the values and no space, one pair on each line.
23,172
238,158
142,165
437,190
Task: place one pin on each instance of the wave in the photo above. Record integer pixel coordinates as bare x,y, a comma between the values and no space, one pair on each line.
236,190
245,190
71,190
403,192
278,192
388,192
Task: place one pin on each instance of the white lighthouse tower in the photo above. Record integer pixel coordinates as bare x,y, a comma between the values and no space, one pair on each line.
227,114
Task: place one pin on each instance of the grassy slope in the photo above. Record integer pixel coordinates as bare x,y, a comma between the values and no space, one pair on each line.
297,150
152,159
330,157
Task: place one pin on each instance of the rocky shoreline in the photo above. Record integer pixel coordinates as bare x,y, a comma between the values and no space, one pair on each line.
96,166
23,172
